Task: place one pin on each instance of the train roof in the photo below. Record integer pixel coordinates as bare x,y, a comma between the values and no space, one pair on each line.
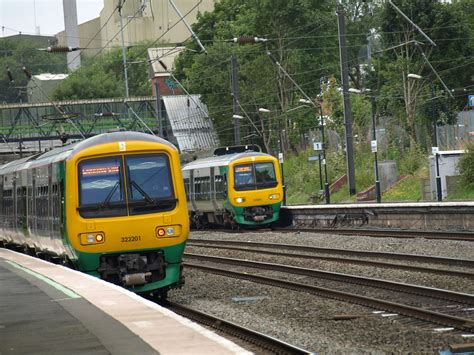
64,152
222,160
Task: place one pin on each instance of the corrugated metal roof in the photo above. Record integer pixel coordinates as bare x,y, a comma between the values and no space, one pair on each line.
190,122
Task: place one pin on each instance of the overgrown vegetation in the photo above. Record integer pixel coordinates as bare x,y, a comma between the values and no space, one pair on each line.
466,166
303,179
16,54
103,76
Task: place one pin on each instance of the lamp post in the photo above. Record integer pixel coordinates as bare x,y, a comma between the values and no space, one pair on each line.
434,149
280,154
327,192
373,143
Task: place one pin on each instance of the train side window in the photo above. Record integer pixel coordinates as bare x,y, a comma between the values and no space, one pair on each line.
220,186
202,187
187,188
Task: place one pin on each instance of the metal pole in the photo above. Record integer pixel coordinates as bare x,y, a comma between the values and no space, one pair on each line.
158,108
235,99
320,173
347,102
378,194
439,191
280,144
124,58
327,192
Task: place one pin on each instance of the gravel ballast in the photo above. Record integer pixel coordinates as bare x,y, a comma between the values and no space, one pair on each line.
309,321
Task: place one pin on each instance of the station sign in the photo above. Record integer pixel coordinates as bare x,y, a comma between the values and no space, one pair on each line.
373,146
315,158
280,158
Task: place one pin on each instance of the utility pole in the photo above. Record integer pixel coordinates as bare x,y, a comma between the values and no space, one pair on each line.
378,192
158,108
346,97
435,149
124,57
235,99
327,191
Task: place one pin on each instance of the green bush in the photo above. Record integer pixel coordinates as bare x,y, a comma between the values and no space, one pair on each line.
466,165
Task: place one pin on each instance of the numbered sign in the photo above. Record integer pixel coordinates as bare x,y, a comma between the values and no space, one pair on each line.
317,146
373,146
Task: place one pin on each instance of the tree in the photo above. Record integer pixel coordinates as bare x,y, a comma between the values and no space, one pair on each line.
16,54
402,97
300,34
102,76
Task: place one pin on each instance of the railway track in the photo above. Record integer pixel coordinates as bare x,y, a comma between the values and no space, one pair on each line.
387,233
384,233
315,254
430,292
447,320
262,341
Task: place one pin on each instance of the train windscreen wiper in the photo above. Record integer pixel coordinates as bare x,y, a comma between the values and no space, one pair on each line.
106,202
142,192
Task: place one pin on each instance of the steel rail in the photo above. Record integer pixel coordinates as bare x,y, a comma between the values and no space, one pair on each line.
424,291
251,336
466,274
358,253
393,307
447,235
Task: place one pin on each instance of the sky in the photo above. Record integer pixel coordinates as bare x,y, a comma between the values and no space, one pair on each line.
20,15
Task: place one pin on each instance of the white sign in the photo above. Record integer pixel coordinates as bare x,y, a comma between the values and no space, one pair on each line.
317,146
373,146
434,150
122,146
315,158
280,157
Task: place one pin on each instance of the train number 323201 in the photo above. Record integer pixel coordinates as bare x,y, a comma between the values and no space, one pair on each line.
134,238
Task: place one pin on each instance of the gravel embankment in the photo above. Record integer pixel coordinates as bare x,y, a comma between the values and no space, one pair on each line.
308,321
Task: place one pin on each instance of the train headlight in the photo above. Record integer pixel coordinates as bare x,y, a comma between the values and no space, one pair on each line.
168,231
274,196
239,199
92,238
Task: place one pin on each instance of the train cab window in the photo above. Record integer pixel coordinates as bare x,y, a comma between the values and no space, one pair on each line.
265,173
101,192
254,176
149,183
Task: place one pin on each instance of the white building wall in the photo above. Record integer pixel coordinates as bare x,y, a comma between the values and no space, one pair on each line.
142,20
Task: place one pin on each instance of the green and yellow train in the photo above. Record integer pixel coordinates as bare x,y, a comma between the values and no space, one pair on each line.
235,187
113,206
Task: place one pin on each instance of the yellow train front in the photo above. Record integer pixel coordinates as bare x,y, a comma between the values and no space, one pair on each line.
112,205
234,188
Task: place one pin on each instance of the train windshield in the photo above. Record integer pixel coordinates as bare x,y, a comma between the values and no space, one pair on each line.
107,189
254,176
149,183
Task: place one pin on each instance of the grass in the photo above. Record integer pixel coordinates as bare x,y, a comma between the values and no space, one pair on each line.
303,181
463,192
409,189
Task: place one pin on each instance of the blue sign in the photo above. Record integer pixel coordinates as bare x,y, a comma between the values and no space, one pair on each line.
471,100
315,158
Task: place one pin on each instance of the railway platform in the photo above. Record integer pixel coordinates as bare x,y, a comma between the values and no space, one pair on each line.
50,309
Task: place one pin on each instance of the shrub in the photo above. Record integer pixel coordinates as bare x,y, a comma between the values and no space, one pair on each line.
466,165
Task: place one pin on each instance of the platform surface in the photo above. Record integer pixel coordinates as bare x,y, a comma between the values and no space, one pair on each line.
50,309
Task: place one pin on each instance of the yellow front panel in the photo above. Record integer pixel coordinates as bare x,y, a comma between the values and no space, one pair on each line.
255,197
126,233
